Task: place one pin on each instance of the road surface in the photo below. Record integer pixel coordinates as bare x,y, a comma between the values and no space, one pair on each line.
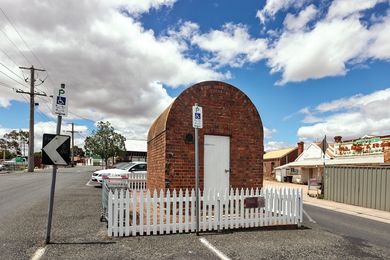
77,232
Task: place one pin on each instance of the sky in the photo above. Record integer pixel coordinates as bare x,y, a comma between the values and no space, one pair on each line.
312,68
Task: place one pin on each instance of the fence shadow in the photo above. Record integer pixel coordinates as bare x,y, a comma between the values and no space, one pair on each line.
84,243
254,229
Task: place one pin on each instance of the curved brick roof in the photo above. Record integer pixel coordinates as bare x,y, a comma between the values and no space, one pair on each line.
160,124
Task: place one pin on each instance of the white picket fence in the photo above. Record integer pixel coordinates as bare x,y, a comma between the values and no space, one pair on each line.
132,213
137,181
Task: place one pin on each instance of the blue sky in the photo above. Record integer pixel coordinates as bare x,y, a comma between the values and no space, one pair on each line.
310,67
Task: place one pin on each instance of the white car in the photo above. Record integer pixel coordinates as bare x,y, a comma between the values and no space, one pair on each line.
125,170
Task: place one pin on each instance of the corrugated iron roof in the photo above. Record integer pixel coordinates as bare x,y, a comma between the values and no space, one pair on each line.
337,161
278,153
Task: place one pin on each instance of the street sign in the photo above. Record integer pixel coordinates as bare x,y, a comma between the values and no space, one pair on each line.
197,117
60,102
56,149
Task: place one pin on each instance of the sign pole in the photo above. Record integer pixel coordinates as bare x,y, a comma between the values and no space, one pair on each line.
197,122
53,187
197,181
60,107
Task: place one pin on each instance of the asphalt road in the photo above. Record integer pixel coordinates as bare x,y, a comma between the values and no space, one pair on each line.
77,232
24,204
361,231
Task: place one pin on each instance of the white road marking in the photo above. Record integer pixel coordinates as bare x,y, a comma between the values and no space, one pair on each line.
89,183
308,216
38,254
218,253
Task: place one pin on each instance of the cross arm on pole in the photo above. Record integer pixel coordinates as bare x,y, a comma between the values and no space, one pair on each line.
25,68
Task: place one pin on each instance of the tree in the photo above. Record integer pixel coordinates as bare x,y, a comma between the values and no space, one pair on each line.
4,149
17,141
78,151
105,142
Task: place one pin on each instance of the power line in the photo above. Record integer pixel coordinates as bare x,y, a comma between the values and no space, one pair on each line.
9,20
27,46
6,85
13,79
16,65
81,117
74,114
11,71
24,56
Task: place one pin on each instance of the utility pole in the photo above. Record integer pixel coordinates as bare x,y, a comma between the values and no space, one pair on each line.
32,94
72,151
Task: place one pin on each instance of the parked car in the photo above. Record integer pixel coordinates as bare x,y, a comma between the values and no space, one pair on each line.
124,170
1,167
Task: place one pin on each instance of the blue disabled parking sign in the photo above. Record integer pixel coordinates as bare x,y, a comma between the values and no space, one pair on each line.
61,100
197,120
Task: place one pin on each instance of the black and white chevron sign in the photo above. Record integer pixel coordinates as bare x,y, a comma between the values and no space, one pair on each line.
56,149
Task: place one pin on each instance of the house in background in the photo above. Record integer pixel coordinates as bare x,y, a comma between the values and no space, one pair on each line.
364,151
277,158
94,160
136,151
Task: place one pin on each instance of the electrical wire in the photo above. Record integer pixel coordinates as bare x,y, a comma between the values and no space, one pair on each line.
11,71
16,65
9,20
6,85
13,79
35,56
24,56
27,46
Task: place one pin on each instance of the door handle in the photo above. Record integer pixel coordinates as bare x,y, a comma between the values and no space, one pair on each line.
227,171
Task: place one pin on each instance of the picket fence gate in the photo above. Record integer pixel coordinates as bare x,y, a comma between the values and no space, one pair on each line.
132,212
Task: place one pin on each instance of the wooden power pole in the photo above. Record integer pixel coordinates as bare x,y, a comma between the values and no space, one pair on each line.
32,94
72,150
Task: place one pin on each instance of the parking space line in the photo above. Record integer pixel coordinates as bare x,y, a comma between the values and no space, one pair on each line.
89,183
308,216
38,254
218,253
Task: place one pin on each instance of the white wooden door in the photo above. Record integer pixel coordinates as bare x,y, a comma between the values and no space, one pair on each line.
216,162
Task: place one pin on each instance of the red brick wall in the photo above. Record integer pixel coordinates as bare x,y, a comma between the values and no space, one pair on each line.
156,162
268,166
279,161
226,111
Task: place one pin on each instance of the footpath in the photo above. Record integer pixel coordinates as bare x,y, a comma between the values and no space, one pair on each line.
374,214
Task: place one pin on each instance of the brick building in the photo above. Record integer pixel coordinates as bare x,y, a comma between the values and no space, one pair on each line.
230,142
281,157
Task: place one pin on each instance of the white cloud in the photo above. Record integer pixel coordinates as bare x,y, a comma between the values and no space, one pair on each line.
351,117
185,31
232,45
309,116
272,7
298,22
114,68
324,51
138,7
331,44
379,47
269,132
344,8
276,145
